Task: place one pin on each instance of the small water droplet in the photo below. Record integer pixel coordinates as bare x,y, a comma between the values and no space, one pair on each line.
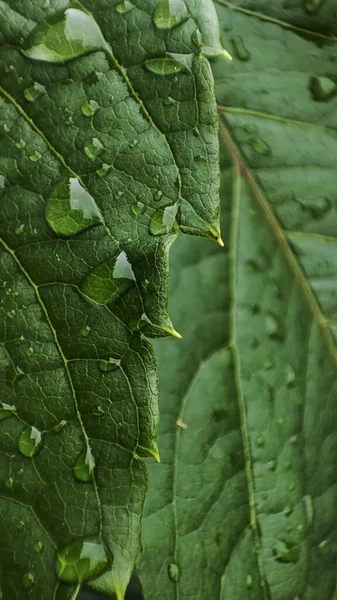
239,48
6,410
323,547
249,581
173,572
19,524
167,65
158,194
169,14
11,313
89,108
250,128
293,439
84,466
71,34
21,471
118,195
70,209
312,6
309,508
300,527
35,156
59,426
30,351
271,465
273,327
260,146
137,208
34,92
98,412
81,559
260,441
38,546
2,182
105,366
133,143
124,7
285,552
85,331
164,220
322,88
287,511
290,376
93,148
103,170
20,144
109,280
168,101
30,441
9,483
28,580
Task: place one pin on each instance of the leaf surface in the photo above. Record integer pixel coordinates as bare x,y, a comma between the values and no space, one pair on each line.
100,158
244,501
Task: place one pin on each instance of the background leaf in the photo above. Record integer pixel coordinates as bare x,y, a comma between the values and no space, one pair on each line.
100,155
244,501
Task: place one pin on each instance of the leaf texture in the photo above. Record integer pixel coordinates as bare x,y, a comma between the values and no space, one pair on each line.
100,158
244,504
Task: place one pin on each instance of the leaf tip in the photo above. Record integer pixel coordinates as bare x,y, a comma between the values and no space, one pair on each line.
224,54
220,241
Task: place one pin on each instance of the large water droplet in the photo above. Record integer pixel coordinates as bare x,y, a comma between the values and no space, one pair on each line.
285,553
169,14
109,280
173,572
322,88
167,65
62,38
6,410
84,465
261,147
81,559
105,366
89,108
239,48
312,6
164,220
124,7
70,209
28,580
33,93
93,148
30,441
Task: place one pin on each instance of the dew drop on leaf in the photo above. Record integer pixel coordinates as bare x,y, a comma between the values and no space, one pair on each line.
33,93
20,144
63,37
290,376
6,410
273,327
323,546
240,49
322,88
260,441
89,108
35,156
124,7
21,471
84,466
250,128
173,572
30,441
167,65
109,280
81,559
28,580
93,148
137,208
19,524
38,547
312,6
70,209
261,147
164,220
103,170
158,194
105,366
59,426
29,351
85,331
249,581
9,483
169,14
168,101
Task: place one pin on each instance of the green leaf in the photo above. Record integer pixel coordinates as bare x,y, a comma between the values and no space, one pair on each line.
243,505
101,159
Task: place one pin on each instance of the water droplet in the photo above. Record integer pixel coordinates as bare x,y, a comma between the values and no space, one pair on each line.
168,101
35,156
322,88
38,546
173,572
103,170
293,439
271,465
21,471
300,527
19,524
59,426
89,108
164,220
98,412
261,147
81,559
239,48
133,143
273,327
30,441
260,441
20,144
84,466
285,553
33,93
109,280
70,209
250,128
29,351
287,511
312,6
323,547
169,14
158,194
85,331
167,65
11,313
290,376
28,580
64,37
249,581
105,366
118,195
9,483
93,148
309,508
124,7
6,410
137,208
